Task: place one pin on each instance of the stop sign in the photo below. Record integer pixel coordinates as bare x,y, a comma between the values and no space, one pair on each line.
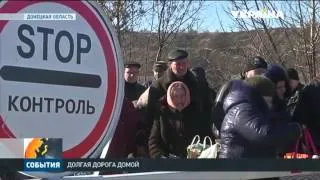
60,79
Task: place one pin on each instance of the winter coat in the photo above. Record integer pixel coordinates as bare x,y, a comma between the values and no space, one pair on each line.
133,90
306,109
198,99
125,139
247,129
217,112
172,131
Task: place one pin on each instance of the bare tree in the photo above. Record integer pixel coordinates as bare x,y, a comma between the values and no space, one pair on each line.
125,16
258,30
173,17
296,39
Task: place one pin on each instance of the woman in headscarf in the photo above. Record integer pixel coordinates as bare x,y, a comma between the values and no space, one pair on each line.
174,125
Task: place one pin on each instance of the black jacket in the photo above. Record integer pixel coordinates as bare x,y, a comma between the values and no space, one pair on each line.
133,90
247,129
172,131
306,108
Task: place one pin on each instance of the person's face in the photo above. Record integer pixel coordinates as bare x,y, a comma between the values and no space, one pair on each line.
158,73
131,74
179,67
281,89
294,84
268,100
178,98
255,72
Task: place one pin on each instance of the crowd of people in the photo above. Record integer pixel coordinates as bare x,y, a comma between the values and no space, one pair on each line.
259,113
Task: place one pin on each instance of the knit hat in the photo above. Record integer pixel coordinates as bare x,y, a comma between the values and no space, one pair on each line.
293,74
276,73
262,84
255,63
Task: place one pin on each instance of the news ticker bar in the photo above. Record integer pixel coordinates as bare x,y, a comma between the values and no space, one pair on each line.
145,165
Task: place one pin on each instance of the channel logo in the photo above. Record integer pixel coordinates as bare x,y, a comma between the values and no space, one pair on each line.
43,154
43,148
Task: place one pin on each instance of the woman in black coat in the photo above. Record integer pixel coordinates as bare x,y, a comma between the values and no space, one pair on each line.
247,129
174,125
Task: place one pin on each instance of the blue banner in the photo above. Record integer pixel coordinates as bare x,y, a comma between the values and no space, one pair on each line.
47,165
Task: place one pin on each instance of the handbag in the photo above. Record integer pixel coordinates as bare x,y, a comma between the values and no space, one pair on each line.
202,150
310,145
195,148
210,152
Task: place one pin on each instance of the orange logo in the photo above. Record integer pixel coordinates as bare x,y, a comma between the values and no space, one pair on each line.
37,148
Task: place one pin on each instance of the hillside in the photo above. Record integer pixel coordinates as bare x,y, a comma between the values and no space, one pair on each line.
221,54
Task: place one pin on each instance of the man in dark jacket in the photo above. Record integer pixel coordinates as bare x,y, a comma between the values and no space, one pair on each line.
133,89
158,69
254,66
179,71
306,110
247,129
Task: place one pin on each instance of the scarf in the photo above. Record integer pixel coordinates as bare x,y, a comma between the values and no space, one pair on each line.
169,98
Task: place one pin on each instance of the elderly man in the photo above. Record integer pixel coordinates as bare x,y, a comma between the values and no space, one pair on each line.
133,89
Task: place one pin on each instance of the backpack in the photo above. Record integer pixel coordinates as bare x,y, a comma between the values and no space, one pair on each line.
217,114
